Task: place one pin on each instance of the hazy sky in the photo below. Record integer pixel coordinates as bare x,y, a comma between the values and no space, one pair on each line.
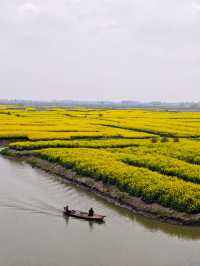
100,49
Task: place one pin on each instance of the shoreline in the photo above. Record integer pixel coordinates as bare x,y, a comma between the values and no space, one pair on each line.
108,192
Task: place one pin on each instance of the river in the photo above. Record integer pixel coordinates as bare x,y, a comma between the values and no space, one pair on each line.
34,232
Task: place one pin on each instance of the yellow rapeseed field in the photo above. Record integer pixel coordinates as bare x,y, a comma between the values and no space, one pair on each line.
150,154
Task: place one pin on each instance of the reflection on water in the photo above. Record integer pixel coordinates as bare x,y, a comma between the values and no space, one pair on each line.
91,224
182,232
34,230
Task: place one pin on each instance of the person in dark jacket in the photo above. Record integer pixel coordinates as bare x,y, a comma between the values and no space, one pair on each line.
90,212
67,209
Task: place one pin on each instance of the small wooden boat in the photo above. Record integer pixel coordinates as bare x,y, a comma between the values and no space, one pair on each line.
84,215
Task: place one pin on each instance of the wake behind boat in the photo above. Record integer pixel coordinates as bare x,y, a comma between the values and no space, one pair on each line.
84,215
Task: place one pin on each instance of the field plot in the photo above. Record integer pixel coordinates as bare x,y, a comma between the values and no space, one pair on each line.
153,155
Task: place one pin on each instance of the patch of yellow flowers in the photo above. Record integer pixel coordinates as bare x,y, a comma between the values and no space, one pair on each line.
116,146
138,181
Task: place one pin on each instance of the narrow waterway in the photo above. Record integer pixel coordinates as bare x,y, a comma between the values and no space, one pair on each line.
34,232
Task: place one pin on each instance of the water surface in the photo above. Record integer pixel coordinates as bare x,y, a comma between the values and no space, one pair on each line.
34,232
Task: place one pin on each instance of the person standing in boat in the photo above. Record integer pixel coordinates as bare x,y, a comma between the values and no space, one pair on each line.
91,212
67,209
